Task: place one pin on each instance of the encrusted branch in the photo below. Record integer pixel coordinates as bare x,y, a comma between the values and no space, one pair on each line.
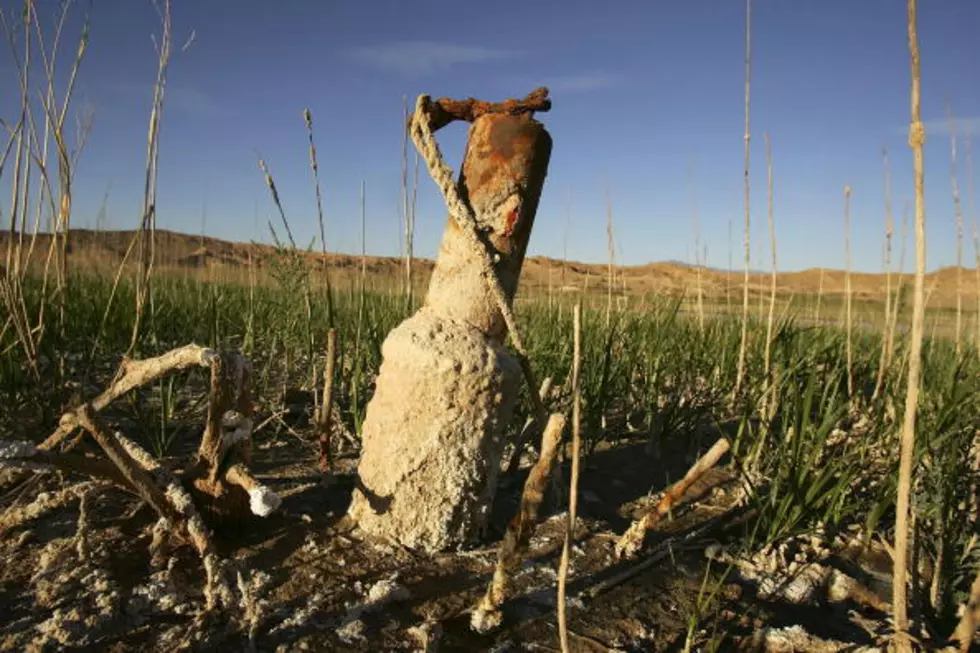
487,614
132,374
27,456
135,475
631,541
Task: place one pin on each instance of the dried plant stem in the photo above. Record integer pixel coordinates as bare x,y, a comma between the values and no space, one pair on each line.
697,253
967,626
314,166
487,614
728,272
772,244
816,316
847,290
886,343
148,222
976,233
740,374
326,404
573,484
610,251
957,208
632,539
917,138
901,276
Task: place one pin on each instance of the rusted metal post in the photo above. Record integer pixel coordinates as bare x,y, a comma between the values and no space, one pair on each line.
433,433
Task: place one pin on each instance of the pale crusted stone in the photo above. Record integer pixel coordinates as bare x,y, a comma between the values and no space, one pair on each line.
433,433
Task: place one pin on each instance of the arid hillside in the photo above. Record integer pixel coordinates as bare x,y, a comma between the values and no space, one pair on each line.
227,260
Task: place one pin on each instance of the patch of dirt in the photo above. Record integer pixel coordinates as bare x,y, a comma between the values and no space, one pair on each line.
315,583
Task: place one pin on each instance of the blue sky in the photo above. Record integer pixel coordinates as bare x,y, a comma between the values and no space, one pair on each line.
648,105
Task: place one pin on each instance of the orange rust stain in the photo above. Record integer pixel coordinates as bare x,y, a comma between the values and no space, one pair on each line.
511,222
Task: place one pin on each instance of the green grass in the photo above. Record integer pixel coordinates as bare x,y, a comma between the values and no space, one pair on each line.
816,457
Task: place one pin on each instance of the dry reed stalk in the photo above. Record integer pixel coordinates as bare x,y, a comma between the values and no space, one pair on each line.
326,404
573,484
148,222
901,278
886,342
958,211
610,251
728,272
970,619
274,193
632,539
697,254
976,231
917,137
772,243
816,316
740,374
25,136
847,291
487,616
315,167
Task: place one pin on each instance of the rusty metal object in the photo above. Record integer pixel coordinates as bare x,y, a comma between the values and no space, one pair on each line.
446,110
432,437
503,173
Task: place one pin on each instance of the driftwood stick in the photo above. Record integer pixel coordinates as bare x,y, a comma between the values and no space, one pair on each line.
632,539
189,523
136,477
131,375
262,500
487,614
228,399
326,405
40,460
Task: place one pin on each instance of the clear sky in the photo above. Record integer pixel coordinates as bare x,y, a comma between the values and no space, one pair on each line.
648,106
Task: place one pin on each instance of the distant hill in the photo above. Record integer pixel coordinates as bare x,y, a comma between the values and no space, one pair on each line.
185,252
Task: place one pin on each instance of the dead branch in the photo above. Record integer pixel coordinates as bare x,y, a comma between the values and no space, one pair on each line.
31,458
262,500
14,517
135,475
218,581
132,374
487,614
446,110
228,394
632,539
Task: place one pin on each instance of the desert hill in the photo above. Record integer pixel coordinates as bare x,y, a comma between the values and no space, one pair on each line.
179,251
